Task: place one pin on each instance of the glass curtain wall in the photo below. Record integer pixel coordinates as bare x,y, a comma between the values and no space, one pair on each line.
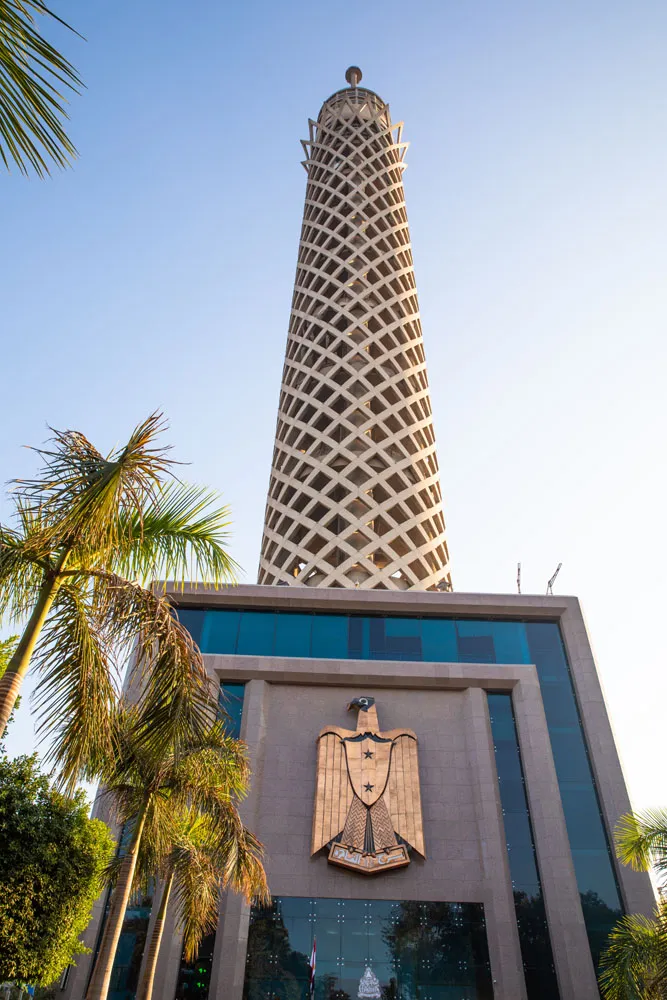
531,917
126,966
194,978
414,950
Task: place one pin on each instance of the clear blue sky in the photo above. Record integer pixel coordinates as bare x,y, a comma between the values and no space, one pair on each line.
158,274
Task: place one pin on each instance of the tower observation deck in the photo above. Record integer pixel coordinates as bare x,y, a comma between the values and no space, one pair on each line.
354,495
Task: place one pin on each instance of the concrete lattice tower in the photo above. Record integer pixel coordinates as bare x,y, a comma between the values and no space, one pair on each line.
354,497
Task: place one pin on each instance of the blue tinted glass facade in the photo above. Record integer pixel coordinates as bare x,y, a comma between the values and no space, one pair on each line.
538,964
449,640
125,973
231,704
418,951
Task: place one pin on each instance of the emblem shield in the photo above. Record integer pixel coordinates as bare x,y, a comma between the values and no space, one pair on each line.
367,799
368,762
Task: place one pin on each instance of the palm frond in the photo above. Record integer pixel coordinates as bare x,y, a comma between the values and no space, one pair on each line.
85,499
181,534
210,773
174,694
248,876
641,840
126,761
161,830
129,776
21,575
112,869
33,78
210,855
634,966
78,687
238,855
197,894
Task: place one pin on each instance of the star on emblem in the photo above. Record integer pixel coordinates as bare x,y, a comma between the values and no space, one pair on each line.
368,754
369,788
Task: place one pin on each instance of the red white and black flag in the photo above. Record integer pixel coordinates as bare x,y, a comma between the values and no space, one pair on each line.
313,958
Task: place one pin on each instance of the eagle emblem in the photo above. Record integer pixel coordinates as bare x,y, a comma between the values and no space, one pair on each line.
367,799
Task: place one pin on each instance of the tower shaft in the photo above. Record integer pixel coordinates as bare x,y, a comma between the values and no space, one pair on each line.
354,496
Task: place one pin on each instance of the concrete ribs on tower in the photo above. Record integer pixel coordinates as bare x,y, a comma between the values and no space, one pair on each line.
354,496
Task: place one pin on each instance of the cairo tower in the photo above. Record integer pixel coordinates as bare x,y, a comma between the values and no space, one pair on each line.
435,778
354,497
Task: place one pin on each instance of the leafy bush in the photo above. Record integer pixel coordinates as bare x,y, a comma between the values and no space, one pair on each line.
51,861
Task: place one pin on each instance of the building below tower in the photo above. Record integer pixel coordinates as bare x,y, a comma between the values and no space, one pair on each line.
512,888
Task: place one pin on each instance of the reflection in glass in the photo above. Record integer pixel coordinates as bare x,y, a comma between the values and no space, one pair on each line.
193,621
594,868
194,978
220,631
125,973
292,635
329,636
417,950
256,633
231,703
439,640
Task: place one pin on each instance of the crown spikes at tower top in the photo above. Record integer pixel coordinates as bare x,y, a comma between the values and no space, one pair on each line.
354,495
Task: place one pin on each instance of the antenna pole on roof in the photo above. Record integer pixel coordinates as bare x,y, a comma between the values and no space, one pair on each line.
550,585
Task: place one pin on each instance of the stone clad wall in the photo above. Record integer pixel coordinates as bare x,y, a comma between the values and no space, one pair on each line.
448,775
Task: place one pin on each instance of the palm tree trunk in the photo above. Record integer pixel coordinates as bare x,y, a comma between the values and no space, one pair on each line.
145,991
98,987
17,668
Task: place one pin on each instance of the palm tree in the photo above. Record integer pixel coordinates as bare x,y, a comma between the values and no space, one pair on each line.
32,103
7,647
91,532
634,967
206,857
641,841
151,791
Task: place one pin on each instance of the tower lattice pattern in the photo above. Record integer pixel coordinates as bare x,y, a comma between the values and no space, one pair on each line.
354,497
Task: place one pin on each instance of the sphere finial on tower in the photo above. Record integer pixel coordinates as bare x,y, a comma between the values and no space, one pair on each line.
353,76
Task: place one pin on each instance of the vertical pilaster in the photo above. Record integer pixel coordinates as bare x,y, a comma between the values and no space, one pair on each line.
228,970
501,927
